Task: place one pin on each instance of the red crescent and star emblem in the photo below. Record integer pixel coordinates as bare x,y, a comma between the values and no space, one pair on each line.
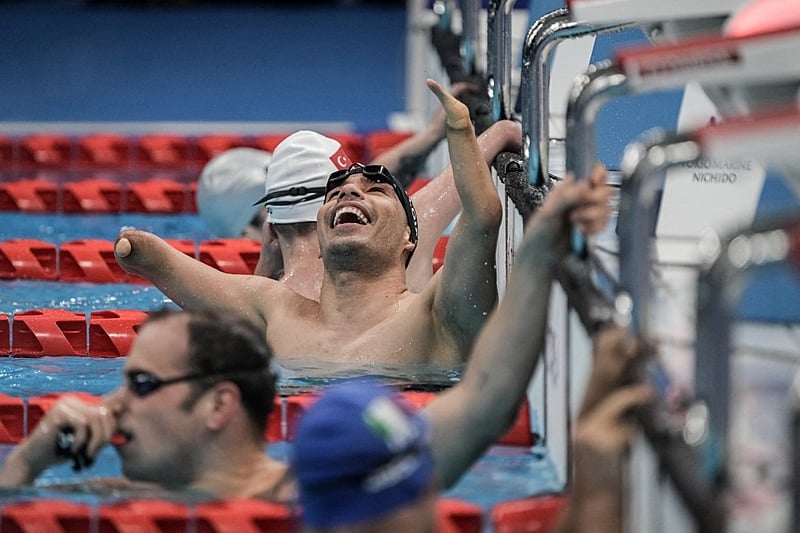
340,159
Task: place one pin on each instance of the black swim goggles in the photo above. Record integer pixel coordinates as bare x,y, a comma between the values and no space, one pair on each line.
297,195
142,383
378,174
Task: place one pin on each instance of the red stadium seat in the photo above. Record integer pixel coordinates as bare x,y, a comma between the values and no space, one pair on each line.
37,333
28,259
456,516
111,333
150,516
156,195
96,195
90,260
45,151
531,515
52,516
104,151
269,142
5,334
29,196
7,149
275,427
234,256
209,146
245,516
12,419
164,151
377,142
191,191
296,406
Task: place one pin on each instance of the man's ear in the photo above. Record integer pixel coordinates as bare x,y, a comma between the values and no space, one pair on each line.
226,400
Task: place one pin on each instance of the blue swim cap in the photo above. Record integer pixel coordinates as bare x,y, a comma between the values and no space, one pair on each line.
359,453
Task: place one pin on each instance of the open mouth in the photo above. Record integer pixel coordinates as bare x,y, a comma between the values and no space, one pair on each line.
349,215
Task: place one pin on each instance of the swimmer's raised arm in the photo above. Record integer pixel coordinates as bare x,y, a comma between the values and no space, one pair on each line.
405,159
188,282
437,203
467,289
483,405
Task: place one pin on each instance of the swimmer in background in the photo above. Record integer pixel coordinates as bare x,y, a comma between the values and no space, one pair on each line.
302,162
191,414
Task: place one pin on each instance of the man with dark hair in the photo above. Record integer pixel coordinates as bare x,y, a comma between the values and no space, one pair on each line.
191,414
365,461
366,229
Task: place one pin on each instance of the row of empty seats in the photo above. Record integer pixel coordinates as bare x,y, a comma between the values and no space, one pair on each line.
154,151
251,516
112,192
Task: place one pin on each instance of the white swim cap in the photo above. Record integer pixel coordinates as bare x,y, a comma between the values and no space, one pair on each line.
227,186
297,175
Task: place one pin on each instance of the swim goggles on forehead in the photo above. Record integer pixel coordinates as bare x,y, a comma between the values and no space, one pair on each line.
297,195
143,383
378,174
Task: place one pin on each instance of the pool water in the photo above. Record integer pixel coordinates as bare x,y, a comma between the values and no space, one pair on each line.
24,295
58,228
504,473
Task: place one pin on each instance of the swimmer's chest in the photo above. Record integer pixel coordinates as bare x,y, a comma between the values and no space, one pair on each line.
404,337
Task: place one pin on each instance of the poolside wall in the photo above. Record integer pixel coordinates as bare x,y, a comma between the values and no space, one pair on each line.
203,62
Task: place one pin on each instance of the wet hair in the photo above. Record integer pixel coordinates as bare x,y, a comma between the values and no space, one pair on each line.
232,349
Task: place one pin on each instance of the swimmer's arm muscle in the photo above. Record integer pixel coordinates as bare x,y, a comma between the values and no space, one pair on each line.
437,203
468,290
188,282
481,407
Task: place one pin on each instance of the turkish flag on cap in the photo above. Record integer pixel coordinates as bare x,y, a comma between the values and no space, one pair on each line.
340,159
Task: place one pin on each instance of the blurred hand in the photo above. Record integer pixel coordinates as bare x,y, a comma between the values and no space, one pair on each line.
91,425
591,215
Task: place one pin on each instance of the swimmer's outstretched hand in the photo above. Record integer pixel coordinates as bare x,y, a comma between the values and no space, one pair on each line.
547,237
457,111
137,251
122,247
